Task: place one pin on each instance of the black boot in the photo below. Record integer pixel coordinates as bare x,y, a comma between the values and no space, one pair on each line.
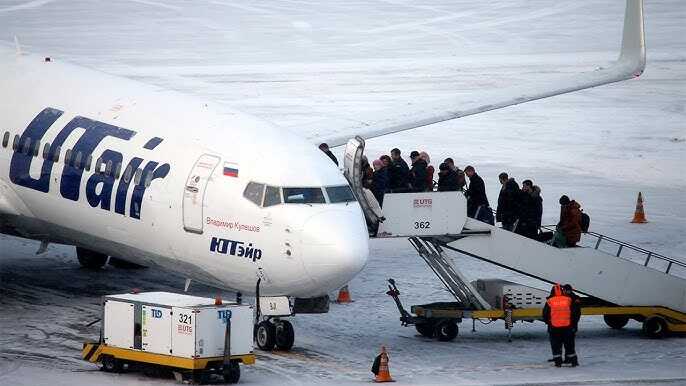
558,362
574,361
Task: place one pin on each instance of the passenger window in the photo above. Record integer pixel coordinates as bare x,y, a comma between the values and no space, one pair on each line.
56,155
67,157
15,142
272,196
27,147
108,169
137,177
303,196
89,161
254,192
99,166
46,151
127,173
77,160
117,170
6,139
148,179
36,147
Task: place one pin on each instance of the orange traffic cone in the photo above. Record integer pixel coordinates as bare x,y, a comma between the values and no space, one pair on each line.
344,295
639,215
384,375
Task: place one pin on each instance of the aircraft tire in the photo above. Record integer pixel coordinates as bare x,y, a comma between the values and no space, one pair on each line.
265,336
89,259
285,335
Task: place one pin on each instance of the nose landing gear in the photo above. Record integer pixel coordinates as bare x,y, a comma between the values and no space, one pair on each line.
274,333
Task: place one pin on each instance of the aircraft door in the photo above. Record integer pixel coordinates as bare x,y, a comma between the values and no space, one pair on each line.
194,192
352,170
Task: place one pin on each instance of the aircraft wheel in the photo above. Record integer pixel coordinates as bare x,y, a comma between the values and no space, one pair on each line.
285,335
446,331
265,336
655,327
616,322
89,259
123,264
111,364
425,329
232,374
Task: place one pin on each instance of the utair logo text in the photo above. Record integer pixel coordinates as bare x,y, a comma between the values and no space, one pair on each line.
100,186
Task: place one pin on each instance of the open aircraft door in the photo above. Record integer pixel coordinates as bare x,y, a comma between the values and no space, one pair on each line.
352,171
194,192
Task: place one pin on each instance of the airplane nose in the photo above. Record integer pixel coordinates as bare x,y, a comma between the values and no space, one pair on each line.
335,248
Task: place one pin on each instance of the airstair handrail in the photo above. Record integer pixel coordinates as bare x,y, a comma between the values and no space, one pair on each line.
624,245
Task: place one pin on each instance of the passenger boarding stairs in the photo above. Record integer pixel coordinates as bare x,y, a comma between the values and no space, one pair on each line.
590,270
436,220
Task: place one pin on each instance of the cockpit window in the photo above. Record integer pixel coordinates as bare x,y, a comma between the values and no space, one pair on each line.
341,193
272,196
254,192
303,196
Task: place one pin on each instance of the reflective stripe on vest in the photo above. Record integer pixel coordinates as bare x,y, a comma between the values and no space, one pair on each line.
560,311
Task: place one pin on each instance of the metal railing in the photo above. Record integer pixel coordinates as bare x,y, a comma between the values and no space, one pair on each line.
623,246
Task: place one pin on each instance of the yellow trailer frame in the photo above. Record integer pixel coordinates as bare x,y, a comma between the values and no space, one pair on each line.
667,320
94,352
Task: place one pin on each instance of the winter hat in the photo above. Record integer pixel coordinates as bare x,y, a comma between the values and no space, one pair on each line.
564,200
425,156
377,164
414,153
443,167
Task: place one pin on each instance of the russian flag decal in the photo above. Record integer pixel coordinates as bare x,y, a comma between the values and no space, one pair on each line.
230,169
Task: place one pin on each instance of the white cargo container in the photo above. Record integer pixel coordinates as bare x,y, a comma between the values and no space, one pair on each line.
174,330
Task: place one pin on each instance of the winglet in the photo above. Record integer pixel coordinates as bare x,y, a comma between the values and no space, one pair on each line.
633,52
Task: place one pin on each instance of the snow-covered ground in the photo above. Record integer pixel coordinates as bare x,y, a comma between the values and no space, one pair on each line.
291,62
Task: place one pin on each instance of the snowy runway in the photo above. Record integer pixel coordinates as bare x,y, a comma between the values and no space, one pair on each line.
296,61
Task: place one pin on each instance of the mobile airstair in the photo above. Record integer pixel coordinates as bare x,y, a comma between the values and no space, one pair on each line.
620,281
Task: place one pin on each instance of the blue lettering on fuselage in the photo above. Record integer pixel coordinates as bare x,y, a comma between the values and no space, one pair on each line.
235,248
99,187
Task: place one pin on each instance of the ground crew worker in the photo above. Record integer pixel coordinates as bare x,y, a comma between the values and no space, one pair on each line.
561,313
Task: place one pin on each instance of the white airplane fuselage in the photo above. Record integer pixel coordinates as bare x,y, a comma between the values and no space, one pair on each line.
186,208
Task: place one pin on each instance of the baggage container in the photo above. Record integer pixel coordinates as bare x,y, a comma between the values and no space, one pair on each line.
185,333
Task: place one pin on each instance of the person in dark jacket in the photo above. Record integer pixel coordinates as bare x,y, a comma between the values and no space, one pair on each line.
447,179
531,210
476,194
509,200
570,222
366,173
379,181
325,148
418,173
562,313
398,173
461,182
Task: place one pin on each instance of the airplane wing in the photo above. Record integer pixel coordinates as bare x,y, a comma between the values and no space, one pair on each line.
631,62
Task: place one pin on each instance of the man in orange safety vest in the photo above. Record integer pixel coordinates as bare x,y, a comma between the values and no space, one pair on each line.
561,313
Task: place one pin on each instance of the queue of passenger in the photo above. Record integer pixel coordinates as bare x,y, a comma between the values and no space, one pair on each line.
519,210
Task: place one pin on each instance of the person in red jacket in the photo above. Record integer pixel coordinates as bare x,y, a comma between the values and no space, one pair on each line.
570,222
561,313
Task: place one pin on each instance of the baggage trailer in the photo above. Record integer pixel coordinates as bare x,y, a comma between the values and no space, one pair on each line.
440,320
192,337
